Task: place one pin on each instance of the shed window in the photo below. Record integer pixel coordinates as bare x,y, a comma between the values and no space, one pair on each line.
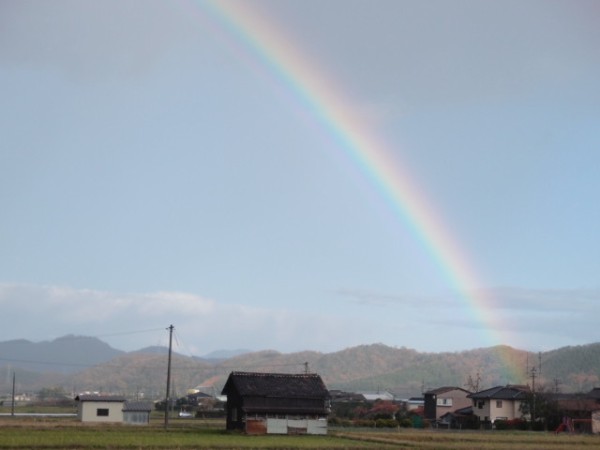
102,412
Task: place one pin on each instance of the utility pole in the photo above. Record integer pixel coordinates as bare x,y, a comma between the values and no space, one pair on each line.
533,393
167,400
12,407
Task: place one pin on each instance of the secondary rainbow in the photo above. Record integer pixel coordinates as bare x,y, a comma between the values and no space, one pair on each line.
259,37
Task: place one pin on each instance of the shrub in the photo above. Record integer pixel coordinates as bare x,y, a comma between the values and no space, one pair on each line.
386,423
501,425
364,423
405,423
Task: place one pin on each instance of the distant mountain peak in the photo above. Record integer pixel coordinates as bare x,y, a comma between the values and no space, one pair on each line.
226,354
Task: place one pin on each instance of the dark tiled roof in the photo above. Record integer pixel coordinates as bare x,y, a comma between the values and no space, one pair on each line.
443,390
594,393
99,398
501,393
467,410
137,406
276,385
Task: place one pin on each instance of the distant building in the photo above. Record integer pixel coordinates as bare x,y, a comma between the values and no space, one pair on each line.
414,403
274,403
339,396
372,396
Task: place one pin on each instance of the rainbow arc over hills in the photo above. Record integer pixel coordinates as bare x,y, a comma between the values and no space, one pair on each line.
261,42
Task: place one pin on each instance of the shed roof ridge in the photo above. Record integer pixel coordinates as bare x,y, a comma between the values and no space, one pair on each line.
274,374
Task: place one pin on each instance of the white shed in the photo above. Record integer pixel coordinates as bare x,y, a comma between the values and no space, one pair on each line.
100,408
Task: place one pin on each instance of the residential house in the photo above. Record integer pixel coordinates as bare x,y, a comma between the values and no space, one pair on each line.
445,400
499,403
595,394
100,408
275,403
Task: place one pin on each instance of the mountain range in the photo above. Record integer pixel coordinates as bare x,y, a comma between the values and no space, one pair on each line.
81,364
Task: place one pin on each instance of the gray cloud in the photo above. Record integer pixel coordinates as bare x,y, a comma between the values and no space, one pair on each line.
90,40
525,318
46,312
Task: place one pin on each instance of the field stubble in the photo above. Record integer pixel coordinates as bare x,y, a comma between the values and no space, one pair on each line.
62,433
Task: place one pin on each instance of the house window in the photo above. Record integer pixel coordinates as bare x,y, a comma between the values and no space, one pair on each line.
102,412
498,403
444,402
480,404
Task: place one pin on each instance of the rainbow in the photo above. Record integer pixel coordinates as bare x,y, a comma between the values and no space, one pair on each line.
259,41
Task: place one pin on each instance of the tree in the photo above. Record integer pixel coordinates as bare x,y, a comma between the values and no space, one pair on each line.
51,394
542,407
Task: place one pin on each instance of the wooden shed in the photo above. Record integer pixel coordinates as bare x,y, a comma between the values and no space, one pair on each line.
276,403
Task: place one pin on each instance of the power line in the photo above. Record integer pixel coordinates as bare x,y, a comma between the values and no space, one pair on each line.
124,333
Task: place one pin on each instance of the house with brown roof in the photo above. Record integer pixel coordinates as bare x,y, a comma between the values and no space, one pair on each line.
276,403
499,403
444,400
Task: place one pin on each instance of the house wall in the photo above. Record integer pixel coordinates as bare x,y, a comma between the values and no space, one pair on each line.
234,412
456,399
429,407
88,411
509,409
482,409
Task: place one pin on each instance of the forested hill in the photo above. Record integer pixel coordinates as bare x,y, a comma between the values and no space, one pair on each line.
402,371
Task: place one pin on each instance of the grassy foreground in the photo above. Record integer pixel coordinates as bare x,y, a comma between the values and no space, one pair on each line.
44,433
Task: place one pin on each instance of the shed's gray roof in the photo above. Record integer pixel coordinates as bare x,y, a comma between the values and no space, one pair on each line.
137,406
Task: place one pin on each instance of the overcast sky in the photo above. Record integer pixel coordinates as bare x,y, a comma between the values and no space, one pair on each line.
157,169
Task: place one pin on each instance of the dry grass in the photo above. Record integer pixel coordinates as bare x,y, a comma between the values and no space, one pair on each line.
68,433
466,440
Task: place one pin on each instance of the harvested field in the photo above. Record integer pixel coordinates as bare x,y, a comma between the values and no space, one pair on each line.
65,433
